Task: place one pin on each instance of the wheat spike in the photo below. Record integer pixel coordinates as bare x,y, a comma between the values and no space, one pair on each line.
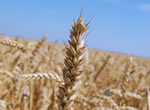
31,58
129,69
74,63
38,76
12,43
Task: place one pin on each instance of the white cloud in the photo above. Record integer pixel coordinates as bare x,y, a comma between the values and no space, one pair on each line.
144,7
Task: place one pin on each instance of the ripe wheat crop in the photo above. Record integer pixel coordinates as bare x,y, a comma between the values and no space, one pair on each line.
37,75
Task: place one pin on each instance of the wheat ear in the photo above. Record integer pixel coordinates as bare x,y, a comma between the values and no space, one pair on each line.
74,63
129,69
36,49
12,43
38,76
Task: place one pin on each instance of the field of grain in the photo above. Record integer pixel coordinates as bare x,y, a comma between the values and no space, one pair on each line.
37,75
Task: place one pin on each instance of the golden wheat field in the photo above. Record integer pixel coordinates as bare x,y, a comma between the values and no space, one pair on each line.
37,75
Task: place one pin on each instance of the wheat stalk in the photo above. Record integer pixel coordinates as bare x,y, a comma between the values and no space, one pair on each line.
102,68
74,63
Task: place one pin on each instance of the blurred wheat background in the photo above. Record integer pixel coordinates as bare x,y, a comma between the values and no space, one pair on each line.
35,76
67,69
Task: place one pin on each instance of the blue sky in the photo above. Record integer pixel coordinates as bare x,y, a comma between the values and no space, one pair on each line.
117,25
